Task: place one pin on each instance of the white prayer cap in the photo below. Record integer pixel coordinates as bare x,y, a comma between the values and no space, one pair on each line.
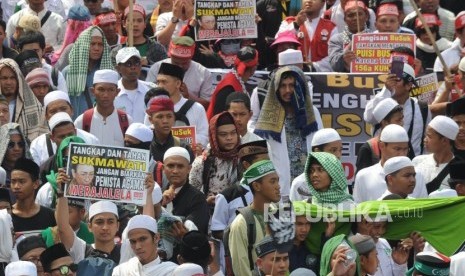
324,136
289,57
21,268
188,269
142,222
394,134
396,163
445,126
124,54
140,131
156,194
54,96
103,206
302,272
443,193
106,76
462,65
383,108
177,151
59,118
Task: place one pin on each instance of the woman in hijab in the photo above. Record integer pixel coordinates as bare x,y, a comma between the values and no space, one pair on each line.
339,255
89,54
218,168
327,181
13,146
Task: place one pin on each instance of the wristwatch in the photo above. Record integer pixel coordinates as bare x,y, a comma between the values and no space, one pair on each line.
174,19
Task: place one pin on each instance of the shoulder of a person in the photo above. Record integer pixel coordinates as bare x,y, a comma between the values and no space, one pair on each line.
446,12
38,140
410,16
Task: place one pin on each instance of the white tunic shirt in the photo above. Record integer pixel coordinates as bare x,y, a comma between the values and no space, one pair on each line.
197,117
107,130
133,267
451,56
132,101
299,189
370,184
387,266
428,168
39,149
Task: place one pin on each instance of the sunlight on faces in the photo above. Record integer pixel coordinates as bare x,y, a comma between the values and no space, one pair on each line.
22,184
176,169
387,23
162,121
321,181
268,187
169,83
434,142
104,226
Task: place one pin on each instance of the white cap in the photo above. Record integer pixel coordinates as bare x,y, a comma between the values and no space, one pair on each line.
142,222
140,131
54,96
324,136
383,108
156,195
289,57
103,206
396,163
59,118
445,126
21,268
302,272
188,269
443,193
393,134
126,53
106,76
2,176
177,151
462,65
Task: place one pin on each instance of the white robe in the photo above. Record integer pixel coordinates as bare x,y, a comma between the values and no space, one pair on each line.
134,268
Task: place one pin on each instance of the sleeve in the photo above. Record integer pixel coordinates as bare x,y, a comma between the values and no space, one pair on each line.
162,22
199,213
206,88
335,53
358,188
371,104
201,126
437,65
34,149
420,190
78,121
255,106
220,217
238,247
195,175
78,249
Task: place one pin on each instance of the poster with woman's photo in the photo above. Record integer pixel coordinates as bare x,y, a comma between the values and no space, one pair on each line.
110,173
225,19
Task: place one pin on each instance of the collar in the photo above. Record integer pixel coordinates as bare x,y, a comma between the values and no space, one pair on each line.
157,261
39,14
124,90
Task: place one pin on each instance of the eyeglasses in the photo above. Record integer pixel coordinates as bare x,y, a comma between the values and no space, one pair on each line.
12,144
65,269
131,63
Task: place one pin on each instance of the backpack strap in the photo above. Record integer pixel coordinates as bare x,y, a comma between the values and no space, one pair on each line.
434,184
424,115
185,107
246,212
49,144
374,145
55,77
87,119
123,120
45,18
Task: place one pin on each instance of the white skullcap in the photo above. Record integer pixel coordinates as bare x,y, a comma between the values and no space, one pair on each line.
106,76
59,118
140,131
142,222
2,176
188,269
156,195
54,96
302,272
445,126
177,151
394,134
396,163
103,206
324,136
383,108
124,54
289,57
21,268
462,65
443,193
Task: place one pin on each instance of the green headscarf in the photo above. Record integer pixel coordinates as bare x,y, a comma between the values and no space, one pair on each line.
328,250
337,190
52,176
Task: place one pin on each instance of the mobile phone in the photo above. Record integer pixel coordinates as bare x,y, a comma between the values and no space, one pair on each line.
397,67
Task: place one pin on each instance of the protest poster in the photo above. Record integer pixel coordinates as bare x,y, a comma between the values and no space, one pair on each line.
225,19
107,173
186,134
373,50
427,87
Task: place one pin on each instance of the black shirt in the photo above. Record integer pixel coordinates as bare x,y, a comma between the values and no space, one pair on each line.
42,220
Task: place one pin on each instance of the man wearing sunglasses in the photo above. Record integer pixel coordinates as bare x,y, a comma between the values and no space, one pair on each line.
57,261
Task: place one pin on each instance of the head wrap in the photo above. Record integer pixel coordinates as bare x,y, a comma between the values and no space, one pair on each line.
445,126
78,12
430,19
38,76
325,136
355,4
160,103
272,115
182,47
76,78
105,19
247,57
387,9
28,244
258,170
336,192
215,122
5,137
51,254
171,70
136,8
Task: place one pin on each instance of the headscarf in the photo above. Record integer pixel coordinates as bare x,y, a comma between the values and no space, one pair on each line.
6,240
28,111
79,61
328,249
52,176
5,132
337,189
272,115
74,29
212,135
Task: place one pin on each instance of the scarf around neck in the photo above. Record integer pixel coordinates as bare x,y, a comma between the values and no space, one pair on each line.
212,135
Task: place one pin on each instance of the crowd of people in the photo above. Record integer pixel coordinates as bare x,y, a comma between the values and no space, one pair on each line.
80,72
